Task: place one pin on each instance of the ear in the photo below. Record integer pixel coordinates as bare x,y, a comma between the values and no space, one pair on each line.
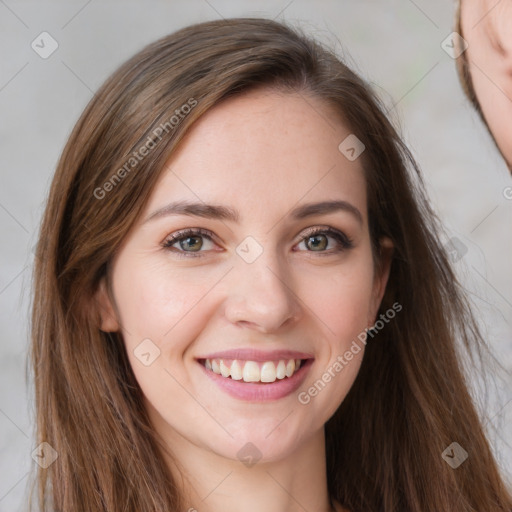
381,277
106,310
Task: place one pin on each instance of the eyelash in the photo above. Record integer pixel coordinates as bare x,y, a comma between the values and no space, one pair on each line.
345,243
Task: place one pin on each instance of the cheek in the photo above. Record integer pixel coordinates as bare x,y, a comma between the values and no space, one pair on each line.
492,82
343,304
497,108
155,302
340,298
161,310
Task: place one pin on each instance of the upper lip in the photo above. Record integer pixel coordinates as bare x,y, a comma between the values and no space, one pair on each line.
248,354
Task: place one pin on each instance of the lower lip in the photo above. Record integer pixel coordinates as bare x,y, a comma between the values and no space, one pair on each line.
260,392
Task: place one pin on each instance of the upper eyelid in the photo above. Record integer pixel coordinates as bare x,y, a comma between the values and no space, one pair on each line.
182,233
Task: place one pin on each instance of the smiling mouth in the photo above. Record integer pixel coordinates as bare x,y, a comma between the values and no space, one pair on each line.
253,371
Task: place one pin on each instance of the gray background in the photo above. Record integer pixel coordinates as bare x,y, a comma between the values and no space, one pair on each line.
396,44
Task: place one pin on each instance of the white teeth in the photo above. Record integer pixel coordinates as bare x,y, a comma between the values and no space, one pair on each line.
224,370
236,370
281,370
268,372
250,371
290,367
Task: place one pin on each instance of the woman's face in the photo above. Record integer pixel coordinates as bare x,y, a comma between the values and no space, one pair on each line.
270,278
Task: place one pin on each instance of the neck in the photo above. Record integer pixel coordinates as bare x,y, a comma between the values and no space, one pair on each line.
211,482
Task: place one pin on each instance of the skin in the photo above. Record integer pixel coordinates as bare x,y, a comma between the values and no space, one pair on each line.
262,154
486,26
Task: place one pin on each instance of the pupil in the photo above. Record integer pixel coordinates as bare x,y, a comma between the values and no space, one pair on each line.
322,244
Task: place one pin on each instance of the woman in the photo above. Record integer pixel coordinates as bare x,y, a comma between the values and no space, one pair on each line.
231,228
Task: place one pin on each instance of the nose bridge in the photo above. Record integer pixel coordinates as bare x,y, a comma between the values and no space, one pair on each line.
261,292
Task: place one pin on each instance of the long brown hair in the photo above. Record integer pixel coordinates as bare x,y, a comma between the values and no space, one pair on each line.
410,400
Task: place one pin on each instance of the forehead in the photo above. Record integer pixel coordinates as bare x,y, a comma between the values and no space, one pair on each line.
264,150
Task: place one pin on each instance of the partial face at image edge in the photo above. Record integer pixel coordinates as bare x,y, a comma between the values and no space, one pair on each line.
485,68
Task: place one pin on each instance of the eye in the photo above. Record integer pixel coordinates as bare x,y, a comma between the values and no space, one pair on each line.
317,240
188,241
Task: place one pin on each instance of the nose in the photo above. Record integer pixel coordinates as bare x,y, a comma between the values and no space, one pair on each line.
260,295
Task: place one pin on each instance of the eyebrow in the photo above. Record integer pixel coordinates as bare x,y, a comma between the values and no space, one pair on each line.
212,211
